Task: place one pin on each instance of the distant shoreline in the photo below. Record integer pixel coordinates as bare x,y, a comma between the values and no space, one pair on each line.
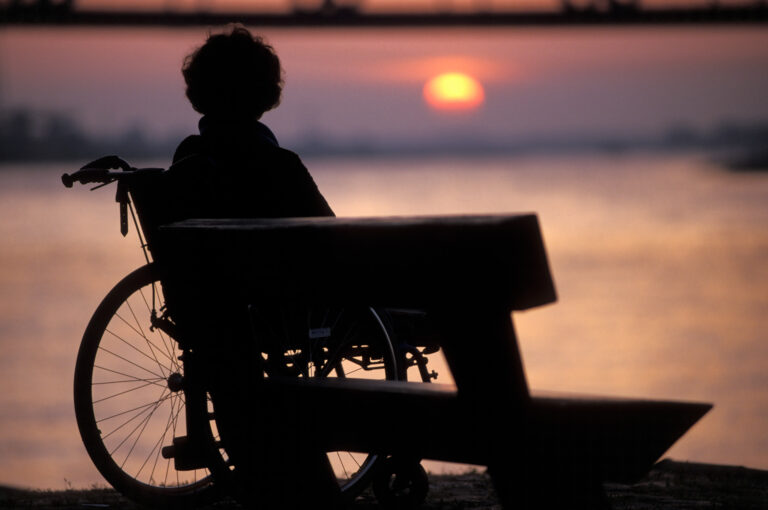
670,485
30,135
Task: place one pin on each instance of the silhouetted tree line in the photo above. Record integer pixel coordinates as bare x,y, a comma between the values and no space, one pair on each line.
27,135
38,136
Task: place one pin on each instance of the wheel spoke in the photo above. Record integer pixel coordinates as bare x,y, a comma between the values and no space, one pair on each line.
133,346
353,371
130,362
157,402
167,470
144,336
171,418
123,392
338,455
143,422
175,422
169,346
140,331
135,441
140,412
156,379
124,381
157,456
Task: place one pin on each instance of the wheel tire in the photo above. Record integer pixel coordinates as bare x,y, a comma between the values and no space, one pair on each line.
324,342
353,483
127,383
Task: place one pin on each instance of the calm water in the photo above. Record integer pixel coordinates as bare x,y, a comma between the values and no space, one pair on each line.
661,264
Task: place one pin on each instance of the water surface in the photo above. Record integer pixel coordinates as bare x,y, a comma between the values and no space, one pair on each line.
661,266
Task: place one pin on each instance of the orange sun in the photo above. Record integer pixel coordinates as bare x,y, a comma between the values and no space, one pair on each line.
454,91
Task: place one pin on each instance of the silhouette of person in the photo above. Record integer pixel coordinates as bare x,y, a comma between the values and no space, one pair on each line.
235,169
232,80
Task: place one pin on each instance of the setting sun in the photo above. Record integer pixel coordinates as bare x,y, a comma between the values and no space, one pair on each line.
454,91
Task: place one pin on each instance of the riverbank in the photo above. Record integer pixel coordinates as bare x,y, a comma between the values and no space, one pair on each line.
671,485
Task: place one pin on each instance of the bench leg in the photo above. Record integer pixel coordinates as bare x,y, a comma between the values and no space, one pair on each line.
493,392
492,387
525,484
497,365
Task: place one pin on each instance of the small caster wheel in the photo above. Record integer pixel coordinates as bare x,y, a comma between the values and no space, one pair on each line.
400,484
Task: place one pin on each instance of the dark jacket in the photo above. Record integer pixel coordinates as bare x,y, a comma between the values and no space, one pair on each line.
238,170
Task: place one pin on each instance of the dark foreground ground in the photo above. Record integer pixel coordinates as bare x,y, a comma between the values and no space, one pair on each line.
671,485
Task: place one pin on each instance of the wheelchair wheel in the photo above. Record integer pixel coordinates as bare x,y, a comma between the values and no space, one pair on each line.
348,343
400,484
129,397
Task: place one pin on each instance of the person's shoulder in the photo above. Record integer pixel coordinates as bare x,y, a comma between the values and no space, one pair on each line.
193,144
277,157
289,157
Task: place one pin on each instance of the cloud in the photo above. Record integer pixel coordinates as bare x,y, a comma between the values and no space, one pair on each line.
420,69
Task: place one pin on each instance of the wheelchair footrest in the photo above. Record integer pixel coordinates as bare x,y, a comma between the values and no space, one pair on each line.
187,455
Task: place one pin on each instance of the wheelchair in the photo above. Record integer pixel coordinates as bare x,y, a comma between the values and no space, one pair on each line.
145,410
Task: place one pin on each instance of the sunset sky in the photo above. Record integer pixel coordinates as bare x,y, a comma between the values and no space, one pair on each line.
669,241
367,84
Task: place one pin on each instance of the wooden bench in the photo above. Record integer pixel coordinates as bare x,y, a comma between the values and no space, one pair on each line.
468,273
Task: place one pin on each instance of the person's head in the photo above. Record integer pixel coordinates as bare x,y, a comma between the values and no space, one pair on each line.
234,75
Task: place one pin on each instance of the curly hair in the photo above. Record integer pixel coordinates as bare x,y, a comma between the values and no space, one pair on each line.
233,75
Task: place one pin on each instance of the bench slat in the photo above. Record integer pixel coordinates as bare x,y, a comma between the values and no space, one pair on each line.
408,261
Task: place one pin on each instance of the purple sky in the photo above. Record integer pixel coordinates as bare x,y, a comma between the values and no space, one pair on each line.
353,84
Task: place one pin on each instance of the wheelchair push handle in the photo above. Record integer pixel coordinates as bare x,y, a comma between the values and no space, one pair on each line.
97,171
101,171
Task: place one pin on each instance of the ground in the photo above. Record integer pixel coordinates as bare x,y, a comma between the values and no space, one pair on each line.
670,485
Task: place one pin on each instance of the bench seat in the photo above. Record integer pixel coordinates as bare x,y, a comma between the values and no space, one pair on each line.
620,438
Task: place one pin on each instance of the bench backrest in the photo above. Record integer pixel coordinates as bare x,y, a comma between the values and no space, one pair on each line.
415,262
